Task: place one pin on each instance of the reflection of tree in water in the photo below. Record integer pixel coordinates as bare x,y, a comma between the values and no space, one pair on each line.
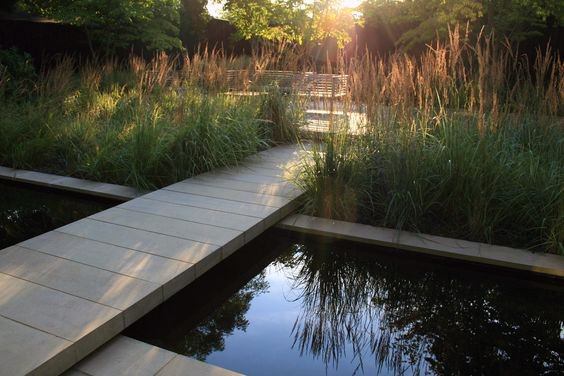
413,318
209,335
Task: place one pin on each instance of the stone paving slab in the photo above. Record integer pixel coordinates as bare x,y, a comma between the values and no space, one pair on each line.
126,356
193,214
140,240
542,263
91,283
230,194
287,190
105,256
65,293
182,365
35,177
51,311
18,341
7,173
268,171
168,226
222,205
248,176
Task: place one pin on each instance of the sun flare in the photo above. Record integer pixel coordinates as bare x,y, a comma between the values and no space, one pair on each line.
349,3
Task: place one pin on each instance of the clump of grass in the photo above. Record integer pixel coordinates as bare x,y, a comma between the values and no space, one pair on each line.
464,142
145,124
282,114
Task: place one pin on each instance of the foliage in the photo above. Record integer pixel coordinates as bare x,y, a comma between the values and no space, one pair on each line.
8,5
420,21
17,72
415,23
144,125
193,20
271,20
117,24
281,114
457,143
523,19
330,21
290,20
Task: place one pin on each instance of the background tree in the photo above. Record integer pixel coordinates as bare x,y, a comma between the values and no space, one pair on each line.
522,19
267,19
194,18
298,21
413,23
117,24
330,21
417,22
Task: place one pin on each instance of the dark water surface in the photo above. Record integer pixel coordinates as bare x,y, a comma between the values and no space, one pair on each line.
303,306
27,211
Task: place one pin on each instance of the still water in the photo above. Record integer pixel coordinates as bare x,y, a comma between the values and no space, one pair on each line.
26,211
303,306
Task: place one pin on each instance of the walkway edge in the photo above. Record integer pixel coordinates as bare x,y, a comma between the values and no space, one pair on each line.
67,183
541,263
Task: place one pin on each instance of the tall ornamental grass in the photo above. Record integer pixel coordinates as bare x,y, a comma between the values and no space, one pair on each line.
465,141
144,124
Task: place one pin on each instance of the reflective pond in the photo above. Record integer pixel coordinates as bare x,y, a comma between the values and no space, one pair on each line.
310,306
27,211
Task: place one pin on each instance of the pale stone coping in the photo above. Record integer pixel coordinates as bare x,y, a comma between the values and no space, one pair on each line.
126,356
75,288
105,190
542,263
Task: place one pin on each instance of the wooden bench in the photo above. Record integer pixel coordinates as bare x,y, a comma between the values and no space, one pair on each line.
309,84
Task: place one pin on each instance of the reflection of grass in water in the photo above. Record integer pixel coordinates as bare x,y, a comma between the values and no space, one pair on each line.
209,336
417,319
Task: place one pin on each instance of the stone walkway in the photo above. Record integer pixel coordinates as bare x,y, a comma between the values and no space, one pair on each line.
65,293
126,356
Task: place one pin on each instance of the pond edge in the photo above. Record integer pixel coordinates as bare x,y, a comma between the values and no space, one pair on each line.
514,258
67,183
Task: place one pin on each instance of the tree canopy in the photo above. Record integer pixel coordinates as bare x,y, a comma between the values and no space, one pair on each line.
193,21
117,24
417,22
408,24
299,21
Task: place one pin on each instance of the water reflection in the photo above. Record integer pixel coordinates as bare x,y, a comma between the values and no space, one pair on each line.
414,318
26,212
308,307
209,335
